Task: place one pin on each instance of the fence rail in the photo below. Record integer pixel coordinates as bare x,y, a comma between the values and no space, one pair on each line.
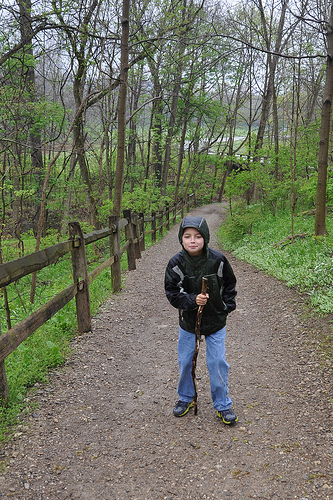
135,228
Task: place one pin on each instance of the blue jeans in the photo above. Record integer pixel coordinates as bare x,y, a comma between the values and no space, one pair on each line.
217,366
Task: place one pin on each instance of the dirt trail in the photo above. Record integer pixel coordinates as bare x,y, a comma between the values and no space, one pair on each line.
104,427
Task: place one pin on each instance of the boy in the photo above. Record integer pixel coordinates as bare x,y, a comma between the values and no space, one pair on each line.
183,279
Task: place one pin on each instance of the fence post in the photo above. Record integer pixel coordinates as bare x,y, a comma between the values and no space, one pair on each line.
115,251
4,391
129,237
167,216
175,212
136,233
160,221
142,231
153,227
80,277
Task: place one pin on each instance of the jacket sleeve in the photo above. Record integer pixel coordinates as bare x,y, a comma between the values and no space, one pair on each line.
229,287
174,289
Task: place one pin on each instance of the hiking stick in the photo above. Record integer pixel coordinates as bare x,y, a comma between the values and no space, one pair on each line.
197,342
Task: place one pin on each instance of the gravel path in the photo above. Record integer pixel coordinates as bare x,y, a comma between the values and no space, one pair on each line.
104,427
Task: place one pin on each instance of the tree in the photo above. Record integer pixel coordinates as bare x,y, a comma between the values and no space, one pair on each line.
118,188
325,128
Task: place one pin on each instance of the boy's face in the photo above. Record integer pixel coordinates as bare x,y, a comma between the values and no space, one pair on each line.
193,241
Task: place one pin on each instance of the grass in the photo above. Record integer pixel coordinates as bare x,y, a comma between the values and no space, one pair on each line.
258,237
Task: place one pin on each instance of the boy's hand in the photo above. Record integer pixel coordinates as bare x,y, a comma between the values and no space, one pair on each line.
201,299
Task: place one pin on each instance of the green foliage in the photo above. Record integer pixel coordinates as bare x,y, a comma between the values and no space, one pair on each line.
105,210
307,191
238,183
44,113
140,200
9,418
329,189
23,116
208,176
239,224
254,234
275,178
307,148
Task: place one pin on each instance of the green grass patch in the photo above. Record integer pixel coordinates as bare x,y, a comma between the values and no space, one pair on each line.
256,236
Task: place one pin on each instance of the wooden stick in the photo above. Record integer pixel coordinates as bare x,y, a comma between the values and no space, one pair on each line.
197,342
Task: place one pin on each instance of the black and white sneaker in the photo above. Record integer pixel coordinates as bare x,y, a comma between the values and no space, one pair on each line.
228,416
182,407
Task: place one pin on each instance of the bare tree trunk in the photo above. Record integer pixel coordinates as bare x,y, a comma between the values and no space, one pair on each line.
232,119
81,157
30,86
118,189
157,159
107,114
68,194
271,68
182,142
154,155
133,138
276,146
172,119
326,113
16,204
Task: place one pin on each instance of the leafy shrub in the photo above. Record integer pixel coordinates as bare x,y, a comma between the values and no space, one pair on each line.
238,225
140,200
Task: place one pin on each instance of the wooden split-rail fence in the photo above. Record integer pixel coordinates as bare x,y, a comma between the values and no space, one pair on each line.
135,228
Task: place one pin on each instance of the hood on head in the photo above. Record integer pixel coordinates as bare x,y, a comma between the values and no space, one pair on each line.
198,223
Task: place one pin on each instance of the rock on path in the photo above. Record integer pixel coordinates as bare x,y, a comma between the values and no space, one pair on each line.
104,427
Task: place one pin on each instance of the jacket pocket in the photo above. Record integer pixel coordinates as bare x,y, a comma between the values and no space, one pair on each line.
215,288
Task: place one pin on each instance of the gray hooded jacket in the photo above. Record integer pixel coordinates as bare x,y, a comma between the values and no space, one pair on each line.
183,278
